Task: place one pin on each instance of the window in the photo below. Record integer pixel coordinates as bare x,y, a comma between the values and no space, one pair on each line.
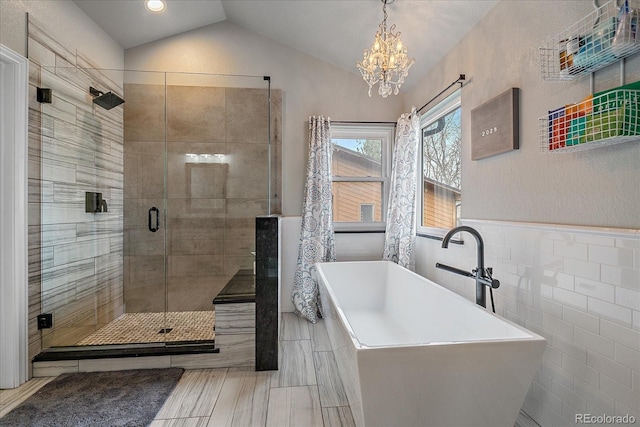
440,179
366,212
361,157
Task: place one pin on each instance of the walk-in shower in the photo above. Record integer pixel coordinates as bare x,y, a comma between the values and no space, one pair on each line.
184,165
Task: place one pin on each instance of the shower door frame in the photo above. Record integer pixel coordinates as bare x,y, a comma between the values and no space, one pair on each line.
13,214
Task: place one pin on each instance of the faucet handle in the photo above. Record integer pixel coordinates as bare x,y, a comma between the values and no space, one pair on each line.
495,283
490,282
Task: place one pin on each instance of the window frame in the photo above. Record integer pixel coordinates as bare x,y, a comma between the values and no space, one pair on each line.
444,107
386,133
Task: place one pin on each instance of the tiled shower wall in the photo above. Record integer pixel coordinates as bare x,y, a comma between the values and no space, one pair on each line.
210,207
75,258
577,287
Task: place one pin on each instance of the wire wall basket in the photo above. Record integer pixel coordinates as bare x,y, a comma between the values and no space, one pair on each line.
601,38
607,118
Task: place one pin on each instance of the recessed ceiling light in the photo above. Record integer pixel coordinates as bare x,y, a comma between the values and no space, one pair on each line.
155,5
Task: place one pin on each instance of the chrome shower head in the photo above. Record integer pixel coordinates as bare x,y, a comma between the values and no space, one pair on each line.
105,100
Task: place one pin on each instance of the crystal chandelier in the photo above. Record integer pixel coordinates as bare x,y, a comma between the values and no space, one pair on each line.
386,62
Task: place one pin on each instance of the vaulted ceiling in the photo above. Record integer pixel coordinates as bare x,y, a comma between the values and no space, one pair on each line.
336,31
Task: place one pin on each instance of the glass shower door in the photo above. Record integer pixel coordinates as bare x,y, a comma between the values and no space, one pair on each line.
144,207
217,183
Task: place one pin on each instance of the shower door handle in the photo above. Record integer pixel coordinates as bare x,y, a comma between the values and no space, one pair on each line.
157,226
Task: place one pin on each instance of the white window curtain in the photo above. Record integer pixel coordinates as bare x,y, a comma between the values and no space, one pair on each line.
400,232
317,243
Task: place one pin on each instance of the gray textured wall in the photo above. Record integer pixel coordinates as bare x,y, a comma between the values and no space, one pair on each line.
599,187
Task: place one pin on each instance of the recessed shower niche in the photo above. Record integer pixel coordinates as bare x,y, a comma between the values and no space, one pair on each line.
185,163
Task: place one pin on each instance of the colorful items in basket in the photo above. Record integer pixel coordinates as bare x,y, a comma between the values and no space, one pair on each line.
607,114
577,116
567,124
616,112
557,129
604,125
597,45
567,49
608,40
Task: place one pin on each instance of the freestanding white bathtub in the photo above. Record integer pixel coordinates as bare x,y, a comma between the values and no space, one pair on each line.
412,353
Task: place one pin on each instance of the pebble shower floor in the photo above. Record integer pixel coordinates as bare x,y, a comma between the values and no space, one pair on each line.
132,328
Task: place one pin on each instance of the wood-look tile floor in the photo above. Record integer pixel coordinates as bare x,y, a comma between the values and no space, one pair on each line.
136,328
304,392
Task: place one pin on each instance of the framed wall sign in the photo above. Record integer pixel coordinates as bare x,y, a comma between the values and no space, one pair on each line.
495,125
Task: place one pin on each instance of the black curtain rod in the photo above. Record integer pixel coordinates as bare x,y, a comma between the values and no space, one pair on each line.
347,122
460,80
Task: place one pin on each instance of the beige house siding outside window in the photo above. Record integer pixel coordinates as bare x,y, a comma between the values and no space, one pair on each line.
348,197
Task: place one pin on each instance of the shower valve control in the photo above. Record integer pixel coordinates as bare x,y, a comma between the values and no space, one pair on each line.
94,202
45,321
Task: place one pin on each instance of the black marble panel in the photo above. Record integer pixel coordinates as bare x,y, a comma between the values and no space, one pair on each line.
267,275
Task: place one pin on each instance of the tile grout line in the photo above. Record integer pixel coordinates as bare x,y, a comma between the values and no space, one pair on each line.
213,407
315,372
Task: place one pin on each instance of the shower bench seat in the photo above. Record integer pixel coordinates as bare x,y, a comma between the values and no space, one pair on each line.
235,324
240,289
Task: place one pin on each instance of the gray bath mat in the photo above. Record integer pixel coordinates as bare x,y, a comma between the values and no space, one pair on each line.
101,399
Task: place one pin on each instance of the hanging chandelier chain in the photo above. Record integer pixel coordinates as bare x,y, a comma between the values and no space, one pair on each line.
384,20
